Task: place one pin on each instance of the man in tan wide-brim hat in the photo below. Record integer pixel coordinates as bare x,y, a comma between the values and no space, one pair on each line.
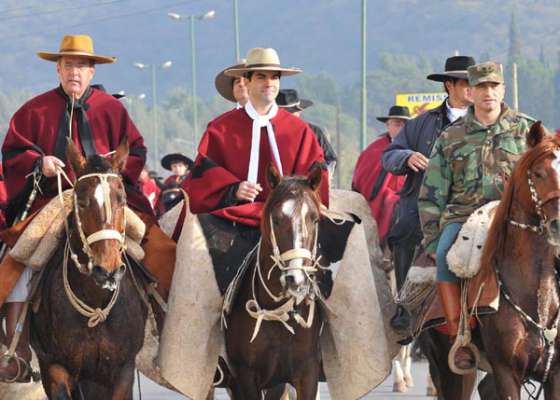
234,187
35,148
232,88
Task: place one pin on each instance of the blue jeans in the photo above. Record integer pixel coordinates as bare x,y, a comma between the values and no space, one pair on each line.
446,240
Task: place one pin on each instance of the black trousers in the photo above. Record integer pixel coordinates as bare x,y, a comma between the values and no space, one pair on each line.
403,250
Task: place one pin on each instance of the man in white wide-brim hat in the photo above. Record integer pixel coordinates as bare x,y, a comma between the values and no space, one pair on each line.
228,178
35,147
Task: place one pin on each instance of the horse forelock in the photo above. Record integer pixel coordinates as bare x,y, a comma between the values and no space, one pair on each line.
498,229
290,188
98,164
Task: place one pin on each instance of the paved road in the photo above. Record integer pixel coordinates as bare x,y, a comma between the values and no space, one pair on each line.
151,391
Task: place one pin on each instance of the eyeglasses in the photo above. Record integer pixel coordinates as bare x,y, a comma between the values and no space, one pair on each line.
80,65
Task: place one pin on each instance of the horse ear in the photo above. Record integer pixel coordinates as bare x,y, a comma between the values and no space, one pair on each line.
118,161
272,176
314,178
75,158
536,134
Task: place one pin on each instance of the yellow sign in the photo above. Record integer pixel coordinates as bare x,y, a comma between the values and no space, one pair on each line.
418,103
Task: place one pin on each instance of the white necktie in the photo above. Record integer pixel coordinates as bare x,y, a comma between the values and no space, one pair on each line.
260,121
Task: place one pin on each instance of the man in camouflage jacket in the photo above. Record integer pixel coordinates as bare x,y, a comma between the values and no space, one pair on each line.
466,171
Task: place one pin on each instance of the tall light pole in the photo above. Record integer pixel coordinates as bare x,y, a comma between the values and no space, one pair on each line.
363,133
191,18
153,68
236,29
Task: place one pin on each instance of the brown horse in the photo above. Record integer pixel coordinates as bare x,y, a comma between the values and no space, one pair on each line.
273,329
520,339
89,325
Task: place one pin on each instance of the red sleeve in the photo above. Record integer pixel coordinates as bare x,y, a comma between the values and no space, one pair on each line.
209,183
137,149
19,152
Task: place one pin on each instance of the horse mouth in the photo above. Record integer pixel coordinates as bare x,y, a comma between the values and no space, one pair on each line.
108,280
298,293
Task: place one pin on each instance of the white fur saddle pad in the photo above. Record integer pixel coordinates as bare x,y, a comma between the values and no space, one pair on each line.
464,256
41,237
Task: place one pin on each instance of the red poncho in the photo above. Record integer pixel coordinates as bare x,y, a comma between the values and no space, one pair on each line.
33,132
223,161
368,169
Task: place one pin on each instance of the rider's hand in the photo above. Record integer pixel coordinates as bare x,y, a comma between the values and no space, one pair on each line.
248,191
50,163
417,161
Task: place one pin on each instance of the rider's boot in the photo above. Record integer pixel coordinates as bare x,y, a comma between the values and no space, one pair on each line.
12,369
450,298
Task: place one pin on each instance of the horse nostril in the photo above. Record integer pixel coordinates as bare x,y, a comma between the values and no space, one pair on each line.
290,280
99,272
554,226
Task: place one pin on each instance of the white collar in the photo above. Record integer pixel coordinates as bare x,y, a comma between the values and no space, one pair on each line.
454,114
261,121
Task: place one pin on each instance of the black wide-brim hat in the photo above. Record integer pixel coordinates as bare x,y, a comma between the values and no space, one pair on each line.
173,158
397,112
289,100
455,68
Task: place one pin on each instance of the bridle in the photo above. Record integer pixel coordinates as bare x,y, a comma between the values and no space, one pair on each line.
287,310
94,315
539,203
102,234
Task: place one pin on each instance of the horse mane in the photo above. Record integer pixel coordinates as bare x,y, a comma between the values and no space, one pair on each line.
498,229
288,187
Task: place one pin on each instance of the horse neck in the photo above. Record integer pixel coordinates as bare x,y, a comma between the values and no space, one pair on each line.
529,274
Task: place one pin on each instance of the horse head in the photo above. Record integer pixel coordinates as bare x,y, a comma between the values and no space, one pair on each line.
97,232
539,175
290,225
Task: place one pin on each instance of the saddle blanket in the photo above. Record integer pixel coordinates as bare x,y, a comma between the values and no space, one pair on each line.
357,343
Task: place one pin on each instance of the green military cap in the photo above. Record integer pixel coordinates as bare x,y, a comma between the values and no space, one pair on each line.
486,72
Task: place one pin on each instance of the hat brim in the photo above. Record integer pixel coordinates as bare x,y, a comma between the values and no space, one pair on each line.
445,76
173,158
224,86
484,80
303,104
388,117
94,57
239,72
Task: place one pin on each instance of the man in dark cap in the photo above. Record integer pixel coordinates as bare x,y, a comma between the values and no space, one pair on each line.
289,100
408,155
379,187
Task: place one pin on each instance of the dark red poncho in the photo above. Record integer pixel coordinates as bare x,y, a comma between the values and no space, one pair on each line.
367,171
33,132
223,161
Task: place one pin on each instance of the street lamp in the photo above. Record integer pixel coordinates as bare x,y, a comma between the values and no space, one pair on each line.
153,68
191,18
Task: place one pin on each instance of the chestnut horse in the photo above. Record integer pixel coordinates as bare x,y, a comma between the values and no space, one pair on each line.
272,334
520,340
89,325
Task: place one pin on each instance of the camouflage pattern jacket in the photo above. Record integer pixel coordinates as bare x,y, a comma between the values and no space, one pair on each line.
466,169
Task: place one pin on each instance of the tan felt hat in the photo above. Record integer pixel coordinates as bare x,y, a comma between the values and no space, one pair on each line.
77,46
259,59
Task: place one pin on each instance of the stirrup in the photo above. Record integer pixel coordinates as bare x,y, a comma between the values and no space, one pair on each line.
24,372
460,342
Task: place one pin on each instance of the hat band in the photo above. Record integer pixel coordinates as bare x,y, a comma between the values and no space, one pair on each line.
76,50
398,116
297,103
262,65
457,70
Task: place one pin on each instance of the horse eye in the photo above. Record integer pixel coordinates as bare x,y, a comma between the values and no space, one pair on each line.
538,174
